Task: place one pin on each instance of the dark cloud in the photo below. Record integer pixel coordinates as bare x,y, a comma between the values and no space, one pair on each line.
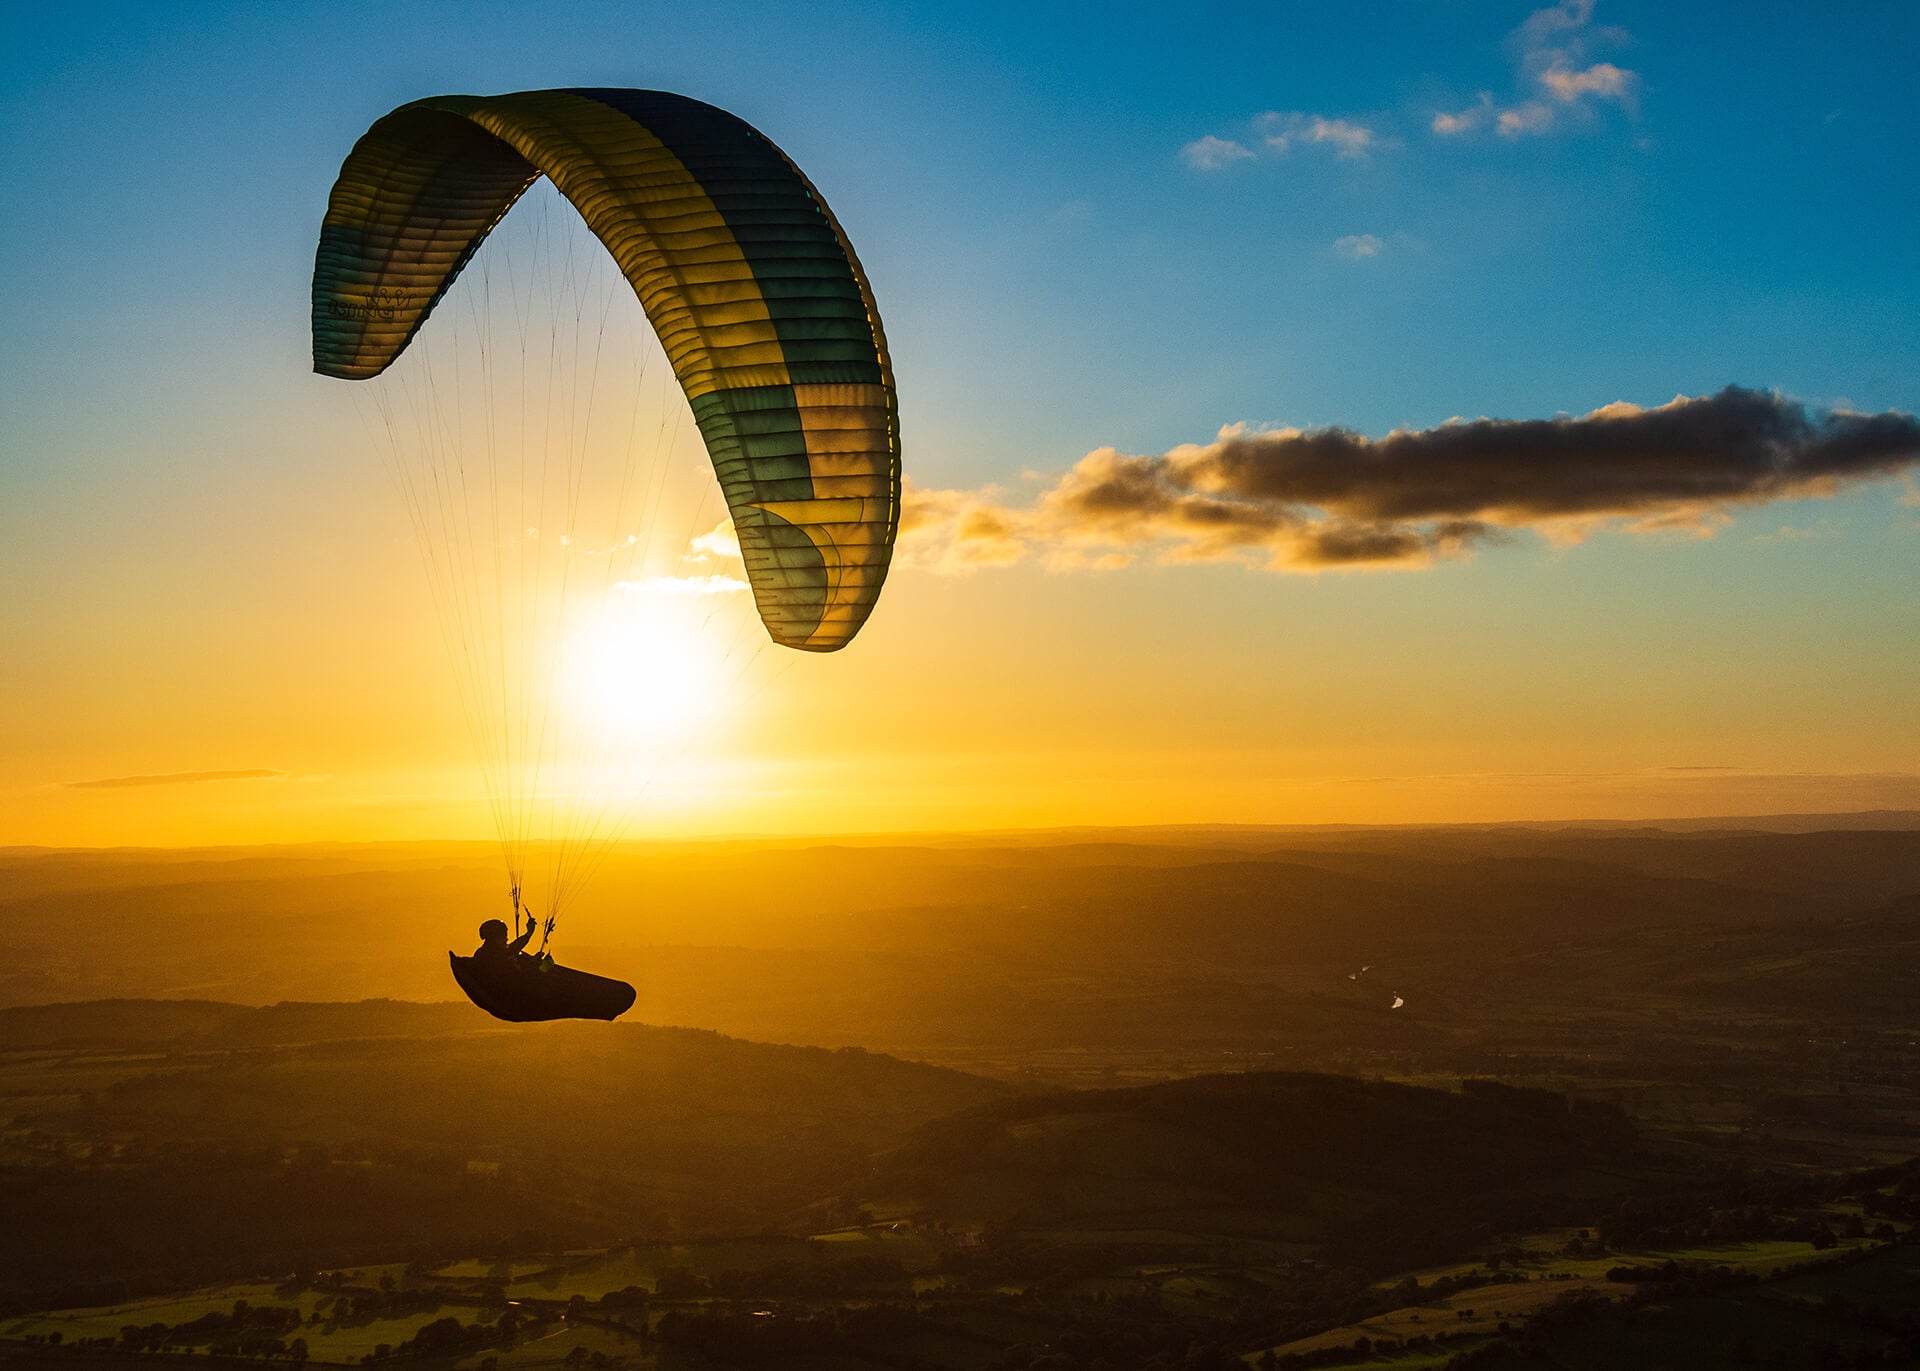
1304,499
176,778
1740,446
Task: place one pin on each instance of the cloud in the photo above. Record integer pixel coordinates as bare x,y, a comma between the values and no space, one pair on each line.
177,778
1310,499
1555,75
1536,116
1474,116
1211,154
721,543
1539,29
1357,245
1800,533
1347,137
1278,133
1557,81
957,530
1602,79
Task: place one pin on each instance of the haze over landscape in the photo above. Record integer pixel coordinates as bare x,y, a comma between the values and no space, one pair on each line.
1374,821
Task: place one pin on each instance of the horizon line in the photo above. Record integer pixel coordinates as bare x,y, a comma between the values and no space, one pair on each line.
1908,819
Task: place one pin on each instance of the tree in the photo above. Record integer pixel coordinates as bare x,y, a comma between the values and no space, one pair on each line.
677,1282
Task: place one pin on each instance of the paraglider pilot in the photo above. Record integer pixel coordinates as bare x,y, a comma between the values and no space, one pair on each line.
494,949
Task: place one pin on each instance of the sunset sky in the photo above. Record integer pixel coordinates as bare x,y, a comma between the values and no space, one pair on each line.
1098,236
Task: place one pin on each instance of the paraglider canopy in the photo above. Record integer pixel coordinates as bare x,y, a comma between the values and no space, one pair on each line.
763,309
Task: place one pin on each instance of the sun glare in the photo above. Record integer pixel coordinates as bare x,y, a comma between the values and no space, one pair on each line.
647,666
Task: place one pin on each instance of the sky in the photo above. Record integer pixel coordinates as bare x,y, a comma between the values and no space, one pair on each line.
1419,412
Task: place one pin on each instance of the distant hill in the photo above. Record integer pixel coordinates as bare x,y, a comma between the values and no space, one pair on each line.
206,1025
301,1136
1228,832
294,1022
1169,951
1290,1155
651,1108
114,1023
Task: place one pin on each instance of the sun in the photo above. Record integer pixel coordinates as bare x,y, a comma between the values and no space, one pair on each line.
647,665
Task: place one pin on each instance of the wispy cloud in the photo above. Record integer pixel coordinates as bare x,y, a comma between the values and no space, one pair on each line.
1357,245
1602,79
1477,115
683,586
1211,153
1311,499
1283,132
1533,117
1559,80
177,778
1276,133
1800,533
720,543
1556,76
956,530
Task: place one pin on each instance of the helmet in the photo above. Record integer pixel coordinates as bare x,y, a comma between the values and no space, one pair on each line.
492,928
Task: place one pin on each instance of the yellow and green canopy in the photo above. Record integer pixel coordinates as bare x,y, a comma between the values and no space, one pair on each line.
740,266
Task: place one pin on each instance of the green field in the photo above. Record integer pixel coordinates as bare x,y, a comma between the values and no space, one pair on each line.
106,1321
476,1268
1481,1308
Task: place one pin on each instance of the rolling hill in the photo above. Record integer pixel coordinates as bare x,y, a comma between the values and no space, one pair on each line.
298,1136
1299,1156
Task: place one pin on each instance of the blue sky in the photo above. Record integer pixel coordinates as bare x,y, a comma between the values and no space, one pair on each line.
1730,201
1747,219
